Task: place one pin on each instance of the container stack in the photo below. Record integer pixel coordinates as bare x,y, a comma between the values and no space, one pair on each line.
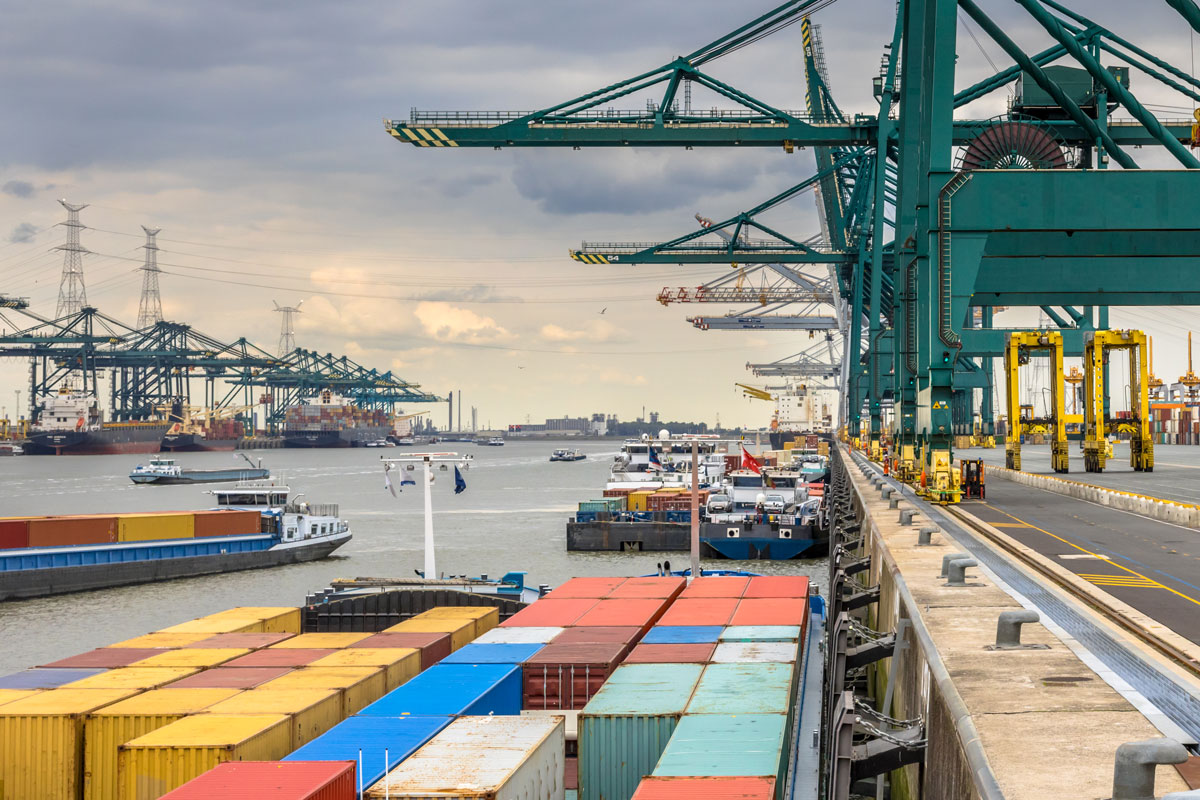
1173,423
18,533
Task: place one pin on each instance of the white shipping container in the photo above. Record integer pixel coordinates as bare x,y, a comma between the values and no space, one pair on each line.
484,758
519,636
754,652
571,719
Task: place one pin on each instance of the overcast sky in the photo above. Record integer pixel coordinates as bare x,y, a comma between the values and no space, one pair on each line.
251,133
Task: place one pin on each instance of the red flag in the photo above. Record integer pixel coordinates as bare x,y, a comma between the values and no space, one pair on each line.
750,462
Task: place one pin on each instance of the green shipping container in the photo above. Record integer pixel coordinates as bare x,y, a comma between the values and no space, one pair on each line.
744,688
609,504
761,633
741,745
626,726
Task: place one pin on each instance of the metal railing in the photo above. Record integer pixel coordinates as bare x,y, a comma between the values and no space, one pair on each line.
743,245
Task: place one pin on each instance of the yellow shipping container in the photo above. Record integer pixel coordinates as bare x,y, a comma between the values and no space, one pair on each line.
112,726
360,686
200,657
312,711
462,631
148,527
275,619
132,678
8,695
486,617
211,625
41,742
163,641
322,641
399,664
639,501
162,760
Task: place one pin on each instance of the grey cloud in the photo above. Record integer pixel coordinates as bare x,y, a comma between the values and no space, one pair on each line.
24,232
18,188
473,294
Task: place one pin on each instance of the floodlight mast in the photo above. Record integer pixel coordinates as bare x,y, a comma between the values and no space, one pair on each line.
427,460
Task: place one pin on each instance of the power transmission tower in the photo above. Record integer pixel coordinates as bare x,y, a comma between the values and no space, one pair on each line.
72,295
150,308
287,333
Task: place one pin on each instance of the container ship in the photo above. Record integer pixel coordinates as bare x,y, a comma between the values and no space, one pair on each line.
217,434
69,423
333,421
624,688
253,526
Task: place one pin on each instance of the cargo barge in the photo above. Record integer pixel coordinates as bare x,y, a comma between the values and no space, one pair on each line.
165,472
253,527
332,421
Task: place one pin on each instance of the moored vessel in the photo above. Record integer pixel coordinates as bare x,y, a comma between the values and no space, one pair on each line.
330,420
69,423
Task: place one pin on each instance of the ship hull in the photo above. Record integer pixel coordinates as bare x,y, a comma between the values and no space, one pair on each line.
106,441
346,437
190,443
203,476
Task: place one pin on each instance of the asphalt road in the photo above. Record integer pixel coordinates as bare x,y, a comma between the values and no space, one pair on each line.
1150,565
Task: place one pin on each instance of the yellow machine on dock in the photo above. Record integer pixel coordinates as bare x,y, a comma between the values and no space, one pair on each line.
1096,448
1019,349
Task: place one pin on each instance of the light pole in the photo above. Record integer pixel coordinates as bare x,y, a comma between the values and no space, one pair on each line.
428,460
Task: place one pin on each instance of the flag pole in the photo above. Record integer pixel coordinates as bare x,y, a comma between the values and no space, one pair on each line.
427,461
695,546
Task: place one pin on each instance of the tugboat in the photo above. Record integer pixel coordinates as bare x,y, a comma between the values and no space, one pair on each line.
68,423
164,471
567,455
495,441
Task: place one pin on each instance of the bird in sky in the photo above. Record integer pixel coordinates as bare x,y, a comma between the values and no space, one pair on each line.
604,309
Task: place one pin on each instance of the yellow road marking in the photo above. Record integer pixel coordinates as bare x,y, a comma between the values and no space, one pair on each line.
1010,525
1089,552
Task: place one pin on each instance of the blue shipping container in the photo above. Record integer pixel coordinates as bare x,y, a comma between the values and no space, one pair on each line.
506,653
396,737
741,745
45,678
683,634
454,689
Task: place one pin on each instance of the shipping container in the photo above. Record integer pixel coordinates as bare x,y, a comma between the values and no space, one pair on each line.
360,686
761,633
213,625
164,641
230,678
476,653
151,526
14,533
786,586
47,678
485,617
433,646
744,689
275,619
660,587
639,613
756,652
715,586
368,740
227,522
280,657
735,745
152,765
250,641
9,695
461,631
41,742
531,635
548,612
273,780
584,588
321,641
697,653
104,658
134,678
312,711
454,690
771,611
399,664
489,758
701,611
107,729
598,635
682,634
652,788
60,531
200,657
566,676
625,728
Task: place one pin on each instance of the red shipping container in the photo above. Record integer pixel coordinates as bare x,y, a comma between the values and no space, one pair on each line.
253,641
794,586
272,780
715,788
279,657
227,522
14,533
565,676
698,653
715,586
771,611
229,678
700,611
433,646
571,772
623,613
59,531
649,587
598,635
549,612
104,658
577,588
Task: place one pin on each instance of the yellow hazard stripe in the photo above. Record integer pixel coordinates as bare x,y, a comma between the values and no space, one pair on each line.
437,132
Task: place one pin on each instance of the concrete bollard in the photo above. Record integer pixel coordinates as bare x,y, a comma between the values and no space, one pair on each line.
956,575
1008,628
946,559
925,536
886,491
894,502
906,516
1133,771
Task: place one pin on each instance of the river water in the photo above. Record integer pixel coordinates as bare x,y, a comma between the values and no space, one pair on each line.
511,517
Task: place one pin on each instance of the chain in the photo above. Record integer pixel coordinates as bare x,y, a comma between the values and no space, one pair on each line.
866,708
865,632
907,744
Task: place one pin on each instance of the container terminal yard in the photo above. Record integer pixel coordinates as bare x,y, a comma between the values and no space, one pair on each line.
1010,510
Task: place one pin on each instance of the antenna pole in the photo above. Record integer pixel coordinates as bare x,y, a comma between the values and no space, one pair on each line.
430,565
